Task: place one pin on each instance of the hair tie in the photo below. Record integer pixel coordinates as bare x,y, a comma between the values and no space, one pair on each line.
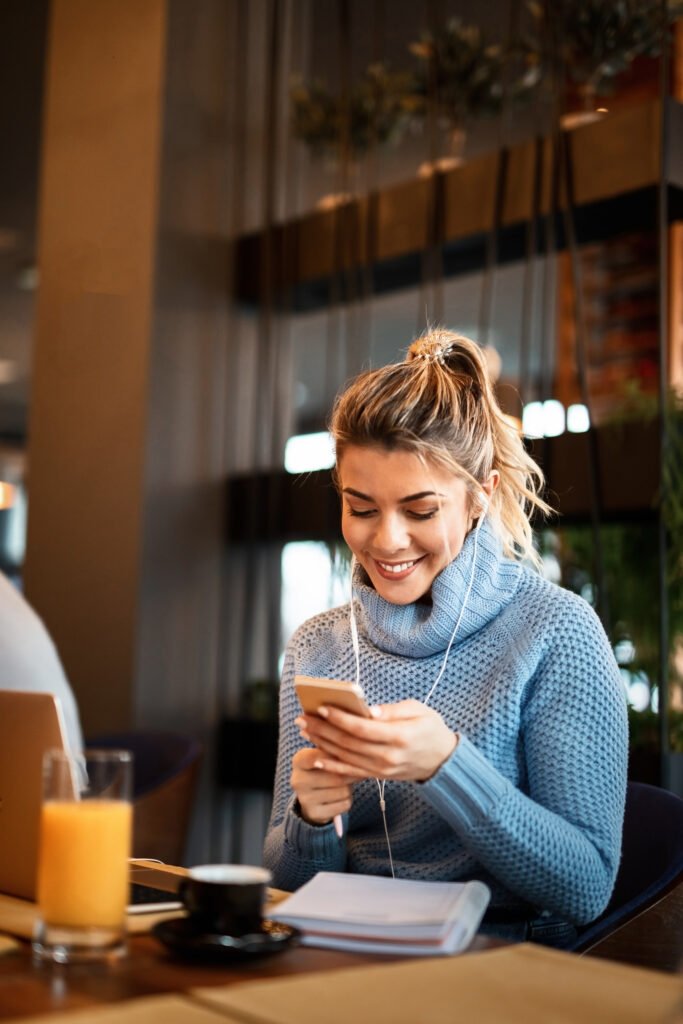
436,354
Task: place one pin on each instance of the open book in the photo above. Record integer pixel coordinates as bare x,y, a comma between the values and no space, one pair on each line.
372,914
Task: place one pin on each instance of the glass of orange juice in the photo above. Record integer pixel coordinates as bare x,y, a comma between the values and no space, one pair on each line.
85,842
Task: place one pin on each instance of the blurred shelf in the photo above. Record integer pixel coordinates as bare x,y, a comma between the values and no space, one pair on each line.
616,176
280,507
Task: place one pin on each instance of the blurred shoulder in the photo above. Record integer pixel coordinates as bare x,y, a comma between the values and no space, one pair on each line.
19,623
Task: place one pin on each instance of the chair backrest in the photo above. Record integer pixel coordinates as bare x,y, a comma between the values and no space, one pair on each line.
651,859
165,771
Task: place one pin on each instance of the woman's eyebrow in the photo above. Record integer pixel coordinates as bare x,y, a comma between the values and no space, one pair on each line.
401,501
356,494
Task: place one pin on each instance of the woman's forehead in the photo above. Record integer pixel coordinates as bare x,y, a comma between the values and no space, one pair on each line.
376,465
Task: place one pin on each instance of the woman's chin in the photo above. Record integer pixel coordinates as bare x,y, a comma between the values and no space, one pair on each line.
405,591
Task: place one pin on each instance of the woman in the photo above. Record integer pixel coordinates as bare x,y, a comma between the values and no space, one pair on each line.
498,742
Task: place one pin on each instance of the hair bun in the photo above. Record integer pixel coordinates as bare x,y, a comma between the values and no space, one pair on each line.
434,347
460,355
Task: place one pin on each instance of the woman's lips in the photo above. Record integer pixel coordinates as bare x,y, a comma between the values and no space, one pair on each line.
396,570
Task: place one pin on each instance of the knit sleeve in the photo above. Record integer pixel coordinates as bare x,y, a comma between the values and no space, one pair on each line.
556,841
295,850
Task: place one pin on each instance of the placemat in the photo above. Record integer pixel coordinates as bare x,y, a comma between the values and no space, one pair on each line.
149,1010
523,984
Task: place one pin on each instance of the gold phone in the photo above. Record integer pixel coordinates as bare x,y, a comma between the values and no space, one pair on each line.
313,691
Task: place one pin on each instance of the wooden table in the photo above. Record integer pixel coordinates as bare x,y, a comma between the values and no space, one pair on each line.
29,988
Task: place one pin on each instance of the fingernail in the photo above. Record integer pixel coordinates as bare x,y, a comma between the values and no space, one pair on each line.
376,712
318,764
304,735
300,722
323,712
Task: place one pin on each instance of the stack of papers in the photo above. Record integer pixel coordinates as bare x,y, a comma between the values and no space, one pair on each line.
370,914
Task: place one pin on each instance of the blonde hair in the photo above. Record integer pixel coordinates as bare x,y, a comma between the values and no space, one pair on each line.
440,404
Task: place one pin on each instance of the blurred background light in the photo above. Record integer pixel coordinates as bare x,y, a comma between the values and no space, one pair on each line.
305,453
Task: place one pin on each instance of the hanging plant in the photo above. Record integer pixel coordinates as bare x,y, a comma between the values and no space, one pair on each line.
468,77
596,40
378,109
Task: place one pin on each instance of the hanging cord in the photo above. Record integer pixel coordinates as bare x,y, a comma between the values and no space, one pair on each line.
370,205
272,341
488,286
582,367
663,384
348,238
529,284
549,286
354,627
335,370
381,783
486,303
236,91
462,612
431,255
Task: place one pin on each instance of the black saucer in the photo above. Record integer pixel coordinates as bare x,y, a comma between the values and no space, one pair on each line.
183,936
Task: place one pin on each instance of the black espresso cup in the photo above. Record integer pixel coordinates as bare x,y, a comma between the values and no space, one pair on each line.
225,899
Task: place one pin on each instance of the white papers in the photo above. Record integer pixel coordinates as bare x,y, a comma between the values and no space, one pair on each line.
372,914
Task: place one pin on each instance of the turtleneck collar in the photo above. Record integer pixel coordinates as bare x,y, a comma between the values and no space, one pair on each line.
419,630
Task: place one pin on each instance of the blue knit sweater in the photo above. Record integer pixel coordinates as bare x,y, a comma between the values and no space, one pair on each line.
531,800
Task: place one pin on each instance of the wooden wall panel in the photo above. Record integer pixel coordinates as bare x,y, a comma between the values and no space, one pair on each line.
97,229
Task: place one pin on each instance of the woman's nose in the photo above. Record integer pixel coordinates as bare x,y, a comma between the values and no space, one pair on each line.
390,534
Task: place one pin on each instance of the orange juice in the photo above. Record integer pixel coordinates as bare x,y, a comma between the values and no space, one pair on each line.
83,864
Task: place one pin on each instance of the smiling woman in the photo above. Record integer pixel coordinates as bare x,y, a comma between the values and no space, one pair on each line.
403,519
497,742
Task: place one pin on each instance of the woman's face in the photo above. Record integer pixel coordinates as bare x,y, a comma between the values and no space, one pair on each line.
403,519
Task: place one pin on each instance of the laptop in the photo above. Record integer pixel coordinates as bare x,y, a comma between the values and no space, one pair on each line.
30,724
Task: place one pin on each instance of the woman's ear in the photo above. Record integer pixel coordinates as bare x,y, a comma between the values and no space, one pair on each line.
489,486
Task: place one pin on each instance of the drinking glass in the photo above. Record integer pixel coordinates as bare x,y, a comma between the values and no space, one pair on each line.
85,841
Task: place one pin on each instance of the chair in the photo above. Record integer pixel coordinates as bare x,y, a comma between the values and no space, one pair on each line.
651,867
165,771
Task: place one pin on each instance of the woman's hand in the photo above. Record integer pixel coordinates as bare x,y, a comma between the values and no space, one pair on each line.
321,794
403,741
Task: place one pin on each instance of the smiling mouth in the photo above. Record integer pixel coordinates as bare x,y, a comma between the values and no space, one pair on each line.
396,570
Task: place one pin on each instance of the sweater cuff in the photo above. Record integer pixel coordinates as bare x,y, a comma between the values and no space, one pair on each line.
311,842
466,787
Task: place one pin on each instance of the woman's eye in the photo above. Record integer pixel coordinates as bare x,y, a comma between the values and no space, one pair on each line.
363,513
423,515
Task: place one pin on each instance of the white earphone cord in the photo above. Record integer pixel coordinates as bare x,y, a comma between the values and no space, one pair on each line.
381,783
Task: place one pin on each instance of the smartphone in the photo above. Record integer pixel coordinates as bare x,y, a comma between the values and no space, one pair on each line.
312,692
148,899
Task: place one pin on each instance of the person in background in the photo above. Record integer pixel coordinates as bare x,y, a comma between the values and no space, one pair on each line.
29,659
497,749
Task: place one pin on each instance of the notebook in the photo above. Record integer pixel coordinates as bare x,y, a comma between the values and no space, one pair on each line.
372,914
30,724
